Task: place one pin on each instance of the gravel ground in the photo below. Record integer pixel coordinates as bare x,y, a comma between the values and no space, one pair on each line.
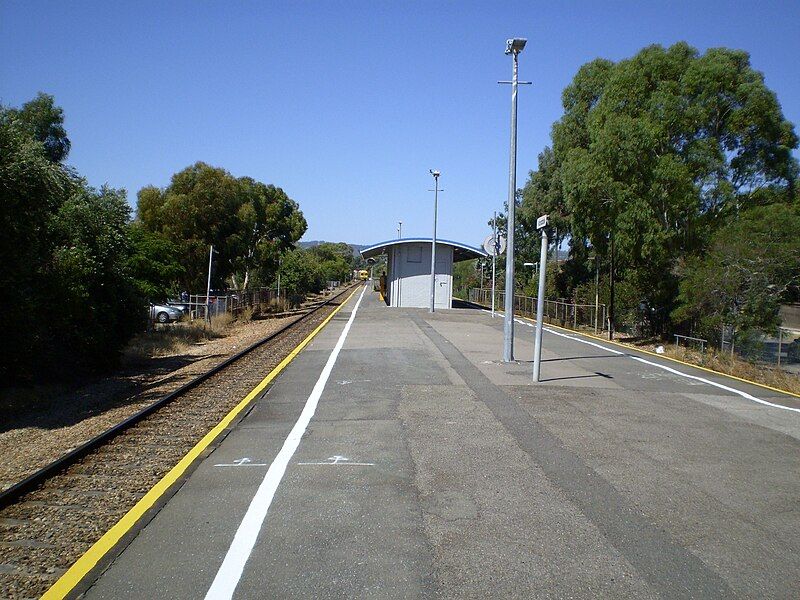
45,423
44,533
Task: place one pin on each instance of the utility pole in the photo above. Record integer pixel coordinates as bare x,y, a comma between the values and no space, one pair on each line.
433,244
513,47
399,230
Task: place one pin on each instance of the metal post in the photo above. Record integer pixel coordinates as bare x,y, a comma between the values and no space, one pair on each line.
208,285
537,351
399,230
596,291
508,323
611,299
433,244
494,257
780,343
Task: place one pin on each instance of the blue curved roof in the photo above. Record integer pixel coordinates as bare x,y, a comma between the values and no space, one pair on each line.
460,251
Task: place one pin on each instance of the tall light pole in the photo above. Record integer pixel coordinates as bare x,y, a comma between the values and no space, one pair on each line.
433,244
399,230
513,47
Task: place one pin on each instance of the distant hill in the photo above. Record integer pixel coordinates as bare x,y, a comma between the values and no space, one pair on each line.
354,247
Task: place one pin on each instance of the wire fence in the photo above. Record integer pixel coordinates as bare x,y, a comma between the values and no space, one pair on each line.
780,349
200,306
557,312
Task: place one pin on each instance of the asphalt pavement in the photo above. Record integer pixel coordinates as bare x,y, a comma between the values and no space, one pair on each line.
398,457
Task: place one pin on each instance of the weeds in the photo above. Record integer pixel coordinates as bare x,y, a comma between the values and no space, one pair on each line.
732,365
176,338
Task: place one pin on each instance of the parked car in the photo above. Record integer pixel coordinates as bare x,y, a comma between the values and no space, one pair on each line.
163,313
184,307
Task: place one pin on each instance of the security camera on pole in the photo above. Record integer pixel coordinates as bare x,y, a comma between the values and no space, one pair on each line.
541,225
513,47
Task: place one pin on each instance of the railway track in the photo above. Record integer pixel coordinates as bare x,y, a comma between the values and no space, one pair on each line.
52,517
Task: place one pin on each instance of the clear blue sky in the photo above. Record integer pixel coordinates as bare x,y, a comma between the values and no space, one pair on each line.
346,105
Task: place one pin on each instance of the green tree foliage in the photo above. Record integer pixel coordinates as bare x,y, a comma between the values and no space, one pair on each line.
91,306
70,302
32,189
249,224
153,263
301,273
657,152
751,266
43,121
335,260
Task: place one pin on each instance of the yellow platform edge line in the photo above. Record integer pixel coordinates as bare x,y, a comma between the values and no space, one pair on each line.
75,574
682,362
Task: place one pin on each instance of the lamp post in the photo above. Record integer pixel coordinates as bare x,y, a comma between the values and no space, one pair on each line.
433,244
513,47
399,230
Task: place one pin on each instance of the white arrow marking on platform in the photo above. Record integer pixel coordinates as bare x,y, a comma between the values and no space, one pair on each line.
242,462
339,460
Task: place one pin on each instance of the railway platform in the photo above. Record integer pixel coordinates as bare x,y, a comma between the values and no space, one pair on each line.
397,456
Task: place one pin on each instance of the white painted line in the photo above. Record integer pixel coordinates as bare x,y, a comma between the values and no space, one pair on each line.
744,395
230,572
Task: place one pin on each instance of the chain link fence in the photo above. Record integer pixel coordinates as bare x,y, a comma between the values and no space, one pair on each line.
557,312
201,306
780,349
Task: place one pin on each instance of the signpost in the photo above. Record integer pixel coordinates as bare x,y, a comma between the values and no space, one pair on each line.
541,225
494,246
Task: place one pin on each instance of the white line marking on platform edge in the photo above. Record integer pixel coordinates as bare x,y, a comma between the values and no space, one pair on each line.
230,572
744,395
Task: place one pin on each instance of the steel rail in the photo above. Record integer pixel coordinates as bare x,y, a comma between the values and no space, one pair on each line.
7,497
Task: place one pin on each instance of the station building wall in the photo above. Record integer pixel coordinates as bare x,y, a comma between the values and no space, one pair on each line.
409,275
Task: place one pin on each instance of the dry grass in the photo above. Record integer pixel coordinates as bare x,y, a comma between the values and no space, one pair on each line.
732,365
175,338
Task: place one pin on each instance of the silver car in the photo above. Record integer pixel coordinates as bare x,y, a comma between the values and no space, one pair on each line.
162,313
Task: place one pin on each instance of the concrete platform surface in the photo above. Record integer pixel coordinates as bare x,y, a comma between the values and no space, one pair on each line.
432,469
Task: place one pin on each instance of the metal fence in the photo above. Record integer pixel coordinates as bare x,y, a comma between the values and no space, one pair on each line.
558,312
781,349
234,303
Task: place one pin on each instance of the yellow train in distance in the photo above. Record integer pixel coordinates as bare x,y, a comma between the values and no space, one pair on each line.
363,274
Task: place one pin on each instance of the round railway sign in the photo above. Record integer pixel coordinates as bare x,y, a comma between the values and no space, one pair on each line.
494,248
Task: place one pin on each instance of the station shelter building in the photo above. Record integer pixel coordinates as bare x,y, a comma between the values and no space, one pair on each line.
408,270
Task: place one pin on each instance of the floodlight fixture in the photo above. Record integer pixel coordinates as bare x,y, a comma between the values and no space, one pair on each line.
434,172
515,45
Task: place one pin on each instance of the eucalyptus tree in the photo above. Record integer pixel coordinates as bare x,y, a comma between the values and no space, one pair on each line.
656,152
248,223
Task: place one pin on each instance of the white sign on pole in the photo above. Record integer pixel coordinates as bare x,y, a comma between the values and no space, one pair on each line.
492,248
541,222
